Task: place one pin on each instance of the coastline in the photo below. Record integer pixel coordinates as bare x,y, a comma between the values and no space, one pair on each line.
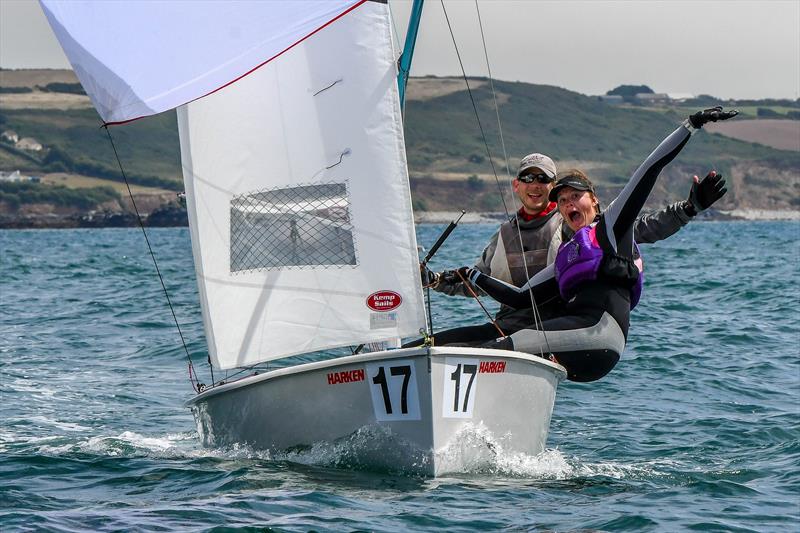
444,217
173,217
762,214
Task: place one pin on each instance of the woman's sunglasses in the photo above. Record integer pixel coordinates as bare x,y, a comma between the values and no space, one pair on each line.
530,178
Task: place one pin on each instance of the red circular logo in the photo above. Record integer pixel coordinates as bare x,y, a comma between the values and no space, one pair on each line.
384,301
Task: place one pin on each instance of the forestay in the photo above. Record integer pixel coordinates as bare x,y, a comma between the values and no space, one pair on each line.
138,58
299,204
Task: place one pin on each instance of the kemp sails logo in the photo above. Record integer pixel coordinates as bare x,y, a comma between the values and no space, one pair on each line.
384,301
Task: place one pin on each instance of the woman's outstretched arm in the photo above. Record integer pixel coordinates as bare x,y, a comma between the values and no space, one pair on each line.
622,212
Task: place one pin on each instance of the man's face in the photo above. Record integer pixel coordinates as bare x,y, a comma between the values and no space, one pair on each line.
533,195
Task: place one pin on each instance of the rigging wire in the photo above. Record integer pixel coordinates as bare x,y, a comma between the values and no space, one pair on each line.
537,319
494,95
428,308
475,108
195,382
477,299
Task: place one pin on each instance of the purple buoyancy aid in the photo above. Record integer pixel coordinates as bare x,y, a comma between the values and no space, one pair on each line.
581,259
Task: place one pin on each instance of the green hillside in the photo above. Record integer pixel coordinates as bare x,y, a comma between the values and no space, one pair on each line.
443,141
447,158
563,124
75,142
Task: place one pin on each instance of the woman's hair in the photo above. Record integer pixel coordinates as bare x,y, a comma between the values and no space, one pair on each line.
580,175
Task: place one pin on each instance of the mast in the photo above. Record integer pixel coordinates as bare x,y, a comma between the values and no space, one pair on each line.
408,49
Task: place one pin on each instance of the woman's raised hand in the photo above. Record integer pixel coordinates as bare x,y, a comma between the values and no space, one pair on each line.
712,114
707,191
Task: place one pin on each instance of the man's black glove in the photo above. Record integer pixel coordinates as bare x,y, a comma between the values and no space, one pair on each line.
429,278
466,272
712,114
450,277
704,193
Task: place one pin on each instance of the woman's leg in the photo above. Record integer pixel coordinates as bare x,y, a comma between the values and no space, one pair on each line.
462,335
588,346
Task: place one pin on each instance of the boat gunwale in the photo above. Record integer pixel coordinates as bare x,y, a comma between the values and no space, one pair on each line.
556,368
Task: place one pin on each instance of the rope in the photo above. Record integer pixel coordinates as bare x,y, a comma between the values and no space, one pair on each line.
475,108
195,385
537,319
477,299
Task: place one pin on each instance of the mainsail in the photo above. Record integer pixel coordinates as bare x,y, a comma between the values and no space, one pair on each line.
299,201
296,177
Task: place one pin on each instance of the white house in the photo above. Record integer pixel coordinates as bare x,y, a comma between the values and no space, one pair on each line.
652,98
9,136
29,143
11,176
680,97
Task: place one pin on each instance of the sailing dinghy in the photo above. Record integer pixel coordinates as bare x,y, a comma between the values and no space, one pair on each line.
302,232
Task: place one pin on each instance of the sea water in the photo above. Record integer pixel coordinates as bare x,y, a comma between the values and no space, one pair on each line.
698,427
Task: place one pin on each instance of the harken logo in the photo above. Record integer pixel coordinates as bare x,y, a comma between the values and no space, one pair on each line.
384,301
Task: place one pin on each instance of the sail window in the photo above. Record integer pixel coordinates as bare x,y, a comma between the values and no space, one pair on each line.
301,226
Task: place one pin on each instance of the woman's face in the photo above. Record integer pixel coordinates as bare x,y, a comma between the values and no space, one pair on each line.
577,208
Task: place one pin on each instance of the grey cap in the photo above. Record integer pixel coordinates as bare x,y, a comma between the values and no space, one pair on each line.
540,161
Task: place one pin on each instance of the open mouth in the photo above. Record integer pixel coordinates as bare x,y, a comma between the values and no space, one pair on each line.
575,217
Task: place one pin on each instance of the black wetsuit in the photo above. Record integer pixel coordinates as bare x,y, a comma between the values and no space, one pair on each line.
589,338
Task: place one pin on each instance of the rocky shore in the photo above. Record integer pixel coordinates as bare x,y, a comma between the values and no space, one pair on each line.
175,216
444,217
166,216
762,214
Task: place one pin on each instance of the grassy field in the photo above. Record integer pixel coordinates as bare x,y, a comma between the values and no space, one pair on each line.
75,181
745,111
777,133
75,142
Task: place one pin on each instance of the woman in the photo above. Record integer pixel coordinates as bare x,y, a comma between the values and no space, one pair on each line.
597,273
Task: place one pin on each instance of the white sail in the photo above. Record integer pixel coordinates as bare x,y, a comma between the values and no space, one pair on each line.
137,58
299,204
302,233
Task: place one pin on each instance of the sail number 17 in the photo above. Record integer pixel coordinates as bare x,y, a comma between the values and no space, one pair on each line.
460,387
393,386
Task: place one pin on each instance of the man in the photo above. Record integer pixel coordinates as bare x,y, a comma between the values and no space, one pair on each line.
536,222
529,241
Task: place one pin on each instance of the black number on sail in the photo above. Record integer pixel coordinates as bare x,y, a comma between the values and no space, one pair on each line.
456,376
380,379
404,371
472,370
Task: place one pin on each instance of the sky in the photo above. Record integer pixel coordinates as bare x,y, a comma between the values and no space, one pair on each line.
726,48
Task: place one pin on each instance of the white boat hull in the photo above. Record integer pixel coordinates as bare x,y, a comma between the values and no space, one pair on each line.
415,404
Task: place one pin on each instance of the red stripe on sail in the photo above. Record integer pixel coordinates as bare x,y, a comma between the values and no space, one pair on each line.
337,17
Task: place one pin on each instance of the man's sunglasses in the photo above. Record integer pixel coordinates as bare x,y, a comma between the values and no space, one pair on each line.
530,178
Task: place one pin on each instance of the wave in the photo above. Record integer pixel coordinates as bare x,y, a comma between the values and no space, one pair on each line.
473,452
